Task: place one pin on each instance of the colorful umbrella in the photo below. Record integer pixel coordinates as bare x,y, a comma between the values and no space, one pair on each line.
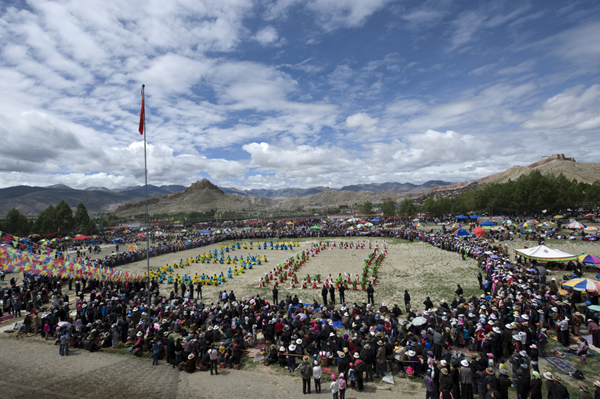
583,284
576,225
508,222
34,235
558,217
589,259
456,226
548,224
55,240
44,242
589,215
498,228
141,235
369,224
418,225
315,227
590,229
527,224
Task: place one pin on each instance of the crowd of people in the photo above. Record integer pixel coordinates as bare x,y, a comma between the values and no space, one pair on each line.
472,345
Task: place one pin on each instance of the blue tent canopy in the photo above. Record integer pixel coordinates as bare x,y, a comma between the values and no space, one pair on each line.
474,216
116,240
487,223
205,231
375,220
461,232
461,217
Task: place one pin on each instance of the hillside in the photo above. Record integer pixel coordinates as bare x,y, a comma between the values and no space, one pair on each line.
291,192
31,201
583,172
334,198
200,196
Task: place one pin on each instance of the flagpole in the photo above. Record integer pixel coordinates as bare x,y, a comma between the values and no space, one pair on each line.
146,178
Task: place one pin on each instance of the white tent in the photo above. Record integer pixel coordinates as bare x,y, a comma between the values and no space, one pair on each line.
545,254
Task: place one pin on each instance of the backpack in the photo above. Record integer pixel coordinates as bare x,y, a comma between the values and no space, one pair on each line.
578,375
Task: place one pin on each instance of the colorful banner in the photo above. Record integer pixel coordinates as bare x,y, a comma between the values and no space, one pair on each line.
18,261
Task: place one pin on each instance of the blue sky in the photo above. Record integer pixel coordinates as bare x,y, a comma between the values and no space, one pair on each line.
279,93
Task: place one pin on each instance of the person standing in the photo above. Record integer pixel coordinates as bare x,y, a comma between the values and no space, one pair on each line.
213,355
334,387
199,290
584,391
342,386
466,380
155,351
407,301
332,294
597,392
306,372
560,392
317,372
275,295
342,291
64,343
324,295
535,386
370,293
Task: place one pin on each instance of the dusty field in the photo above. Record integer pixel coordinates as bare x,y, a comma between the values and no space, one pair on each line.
102,375
417,267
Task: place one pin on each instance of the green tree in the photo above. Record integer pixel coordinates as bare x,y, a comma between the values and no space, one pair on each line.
388,208
429,205
367,208
46,221
16,223
407,207
82,219
64,217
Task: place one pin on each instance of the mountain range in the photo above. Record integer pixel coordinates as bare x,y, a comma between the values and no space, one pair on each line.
204,195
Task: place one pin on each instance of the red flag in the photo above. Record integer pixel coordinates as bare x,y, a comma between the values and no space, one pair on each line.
142,116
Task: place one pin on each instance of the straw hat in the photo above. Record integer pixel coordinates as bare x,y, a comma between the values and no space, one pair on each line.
556,378
298,341
548,375
292,347
412,353
305,358
445,371
139,334
191,356
597,383
464,363
282,349
490,370
356,355
367,346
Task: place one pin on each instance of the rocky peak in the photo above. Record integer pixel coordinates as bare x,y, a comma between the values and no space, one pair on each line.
203,184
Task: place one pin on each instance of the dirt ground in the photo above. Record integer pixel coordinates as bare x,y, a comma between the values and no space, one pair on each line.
32,368
417,267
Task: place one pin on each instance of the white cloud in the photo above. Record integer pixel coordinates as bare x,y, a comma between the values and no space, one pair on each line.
575,108
363,122
330,14
267,36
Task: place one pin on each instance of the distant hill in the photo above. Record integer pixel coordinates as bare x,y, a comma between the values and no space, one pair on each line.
200,196
281,194
31,201
276,194
580,171
153,191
